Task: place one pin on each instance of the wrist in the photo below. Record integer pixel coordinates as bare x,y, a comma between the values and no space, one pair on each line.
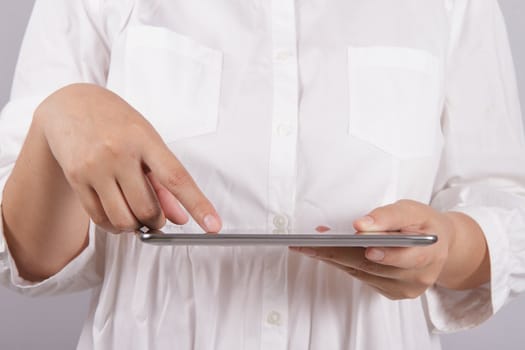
467,265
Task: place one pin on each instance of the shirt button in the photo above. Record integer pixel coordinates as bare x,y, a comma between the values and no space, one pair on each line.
284,55
280,221
274,318
284,130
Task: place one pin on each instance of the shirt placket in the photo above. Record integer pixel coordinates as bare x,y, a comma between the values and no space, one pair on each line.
282,171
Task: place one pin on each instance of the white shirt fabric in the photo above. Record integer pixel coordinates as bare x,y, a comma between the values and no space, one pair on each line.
289,115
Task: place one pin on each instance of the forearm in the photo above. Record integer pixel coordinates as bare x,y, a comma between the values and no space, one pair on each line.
468,263
45,225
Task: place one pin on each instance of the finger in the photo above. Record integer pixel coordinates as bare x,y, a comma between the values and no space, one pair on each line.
116,207
91,203
169,204
352,258
386,286
404,258
140,197
389,281
402,215
176,179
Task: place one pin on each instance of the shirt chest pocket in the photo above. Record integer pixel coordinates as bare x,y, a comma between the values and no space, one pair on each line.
172,81
395,97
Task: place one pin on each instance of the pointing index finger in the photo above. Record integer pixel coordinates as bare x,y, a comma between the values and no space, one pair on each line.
176,179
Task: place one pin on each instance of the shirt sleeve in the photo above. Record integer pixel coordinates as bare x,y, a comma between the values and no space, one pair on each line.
64,44
482,172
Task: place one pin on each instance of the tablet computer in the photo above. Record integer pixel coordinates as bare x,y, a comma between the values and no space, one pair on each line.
358,239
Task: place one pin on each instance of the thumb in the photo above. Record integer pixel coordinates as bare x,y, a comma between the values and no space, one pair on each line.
401,215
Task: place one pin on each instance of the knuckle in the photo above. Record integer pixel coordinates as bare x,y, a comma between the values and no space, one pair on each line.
79,169
158,224
149,213
109,148
124,225
138,125
112,147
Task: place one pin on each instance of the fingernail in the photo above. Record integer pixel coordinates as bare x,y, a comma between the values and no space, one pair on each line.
366,221
211,223
375,254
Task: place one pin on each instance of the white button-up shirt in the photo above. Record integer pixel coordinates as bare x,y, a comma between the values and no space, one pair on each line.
289,115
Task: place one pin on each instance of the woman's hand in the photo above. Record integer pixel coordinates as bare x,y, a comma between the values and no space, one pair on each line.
89,154
458,260
117,164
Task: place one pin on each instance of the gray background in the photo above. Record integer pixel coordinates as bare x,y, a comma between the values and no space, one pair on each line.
55,323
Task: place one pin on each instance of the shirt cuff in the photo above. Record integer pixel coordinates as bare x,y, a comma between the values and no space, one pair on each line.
451,310
68,280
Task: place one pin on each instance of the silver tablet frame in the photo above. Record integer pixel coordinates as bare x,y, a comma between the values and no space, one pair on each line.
361,239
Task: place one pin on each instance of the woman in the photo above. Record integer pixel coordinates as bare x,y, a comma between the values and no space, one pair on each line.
287,116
